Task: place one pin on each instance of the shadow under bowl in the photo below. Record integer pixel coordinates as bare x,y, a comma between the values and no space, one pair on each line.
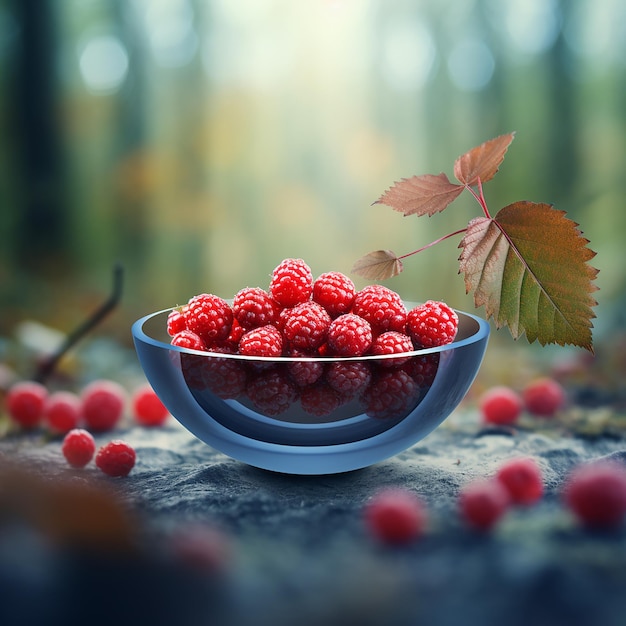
268,412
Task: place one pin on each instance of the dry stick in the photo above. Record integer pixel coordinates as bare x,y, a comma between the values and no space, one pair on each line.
47,366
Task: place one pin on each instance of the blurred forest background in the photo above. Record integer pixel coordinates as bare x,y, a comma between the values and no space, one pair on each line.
200,142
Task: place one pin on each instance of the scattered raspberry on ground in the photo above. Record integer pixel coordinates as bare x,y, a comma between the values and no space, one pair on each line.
523,480
116,458
210,317
596,494
189,340
335,292
263,341
392,342
543,397
349,335
482,503
25,403
253,307
432,324
305,326
147,408
291,283
61,411
395,516
500,405
102,404
381,307
78,447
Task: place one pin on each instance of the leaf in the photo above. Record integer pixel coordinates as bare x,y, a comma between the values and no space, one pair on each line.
482,162
528,266
421,195
378,265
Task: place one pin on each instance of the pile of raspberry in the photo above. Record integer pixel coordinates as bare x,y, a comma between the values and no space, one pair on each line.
302,316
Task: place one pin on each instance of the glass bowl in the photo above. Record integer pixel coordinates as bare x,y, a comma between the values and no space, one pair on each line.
268,413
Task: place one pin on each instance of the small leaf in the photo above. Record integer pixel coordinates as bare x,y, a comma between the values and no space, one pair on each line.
528,266
378,265
421,195
482,162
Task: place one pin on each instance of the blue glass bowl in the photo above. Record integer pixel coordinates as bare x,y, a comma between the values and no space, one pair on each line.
361,410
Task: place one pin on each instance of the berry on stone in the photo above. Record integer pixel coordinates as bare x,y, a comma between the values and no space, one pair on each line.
263,341
381,307
62,411
253,307
305,326
291,282
432,324
392,342
395,516
25,403
596,494
116,458
482,503
500,405
189,340
102,404
78,447
176,321
543,397
523,480
335,292
147,408
349,335
210,317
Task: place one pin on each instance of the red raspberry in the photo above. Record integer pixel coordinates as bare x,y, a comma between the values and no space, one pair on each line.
148,410
543,397
305,326
116,458
78,447
392,342
305,373
226,378
500,405
176,321
291,283
349,378
25,403
233,339
483,502
395,516
61,411
349,335
390,394
423,369
253,307
189,340
210,317
103,404
432,324
319,400
381,307
263,341
522,479
596,494
335,292
271,392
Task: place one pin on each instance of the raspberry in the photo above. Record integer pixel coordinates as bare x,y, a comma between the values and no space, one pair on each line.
500,405
522,479
148,410
253,307
226,378
116,458
305,325
236,333
348,378
381,307
25,403
210,317
61,411
263,341
395,516
423,369
596,494
349,335
432,324
176,322
189,340
483,502
390,395
102,404
335,292
305,373
291,283
543,397
78,447
271,392
319,400
392,342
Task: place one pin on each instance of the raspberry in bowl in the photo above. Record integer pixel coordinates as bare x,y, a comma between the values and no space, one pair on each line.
308,386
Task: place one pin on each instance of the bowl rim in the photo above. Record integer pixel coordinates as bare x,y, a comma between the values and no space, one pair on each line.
482,332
